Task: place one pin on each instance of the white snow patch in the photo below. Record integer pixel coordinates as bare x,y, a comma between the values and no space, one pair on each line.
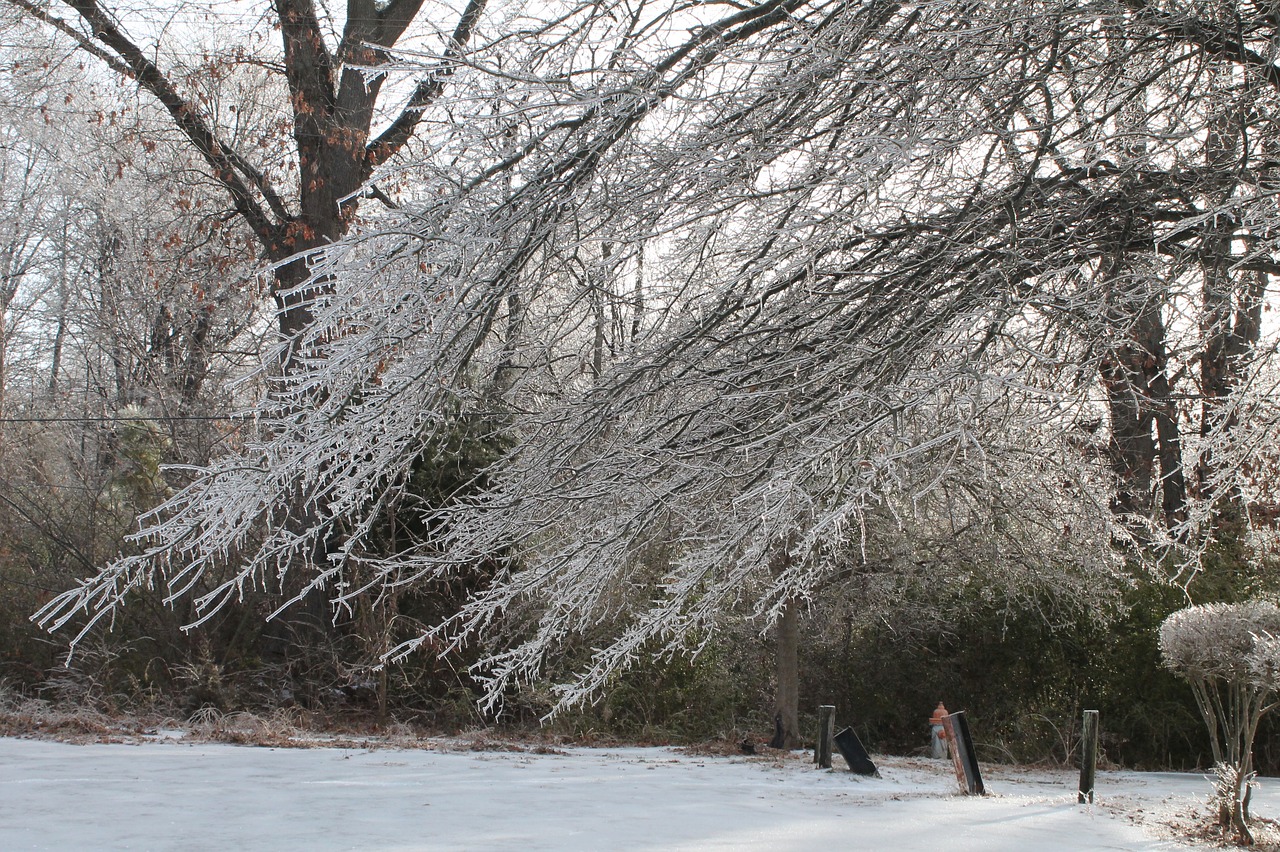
185,796
165,734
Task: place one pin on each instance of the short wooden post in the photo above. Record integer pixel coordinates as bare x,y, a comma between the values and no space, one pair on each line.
1088,755
826,730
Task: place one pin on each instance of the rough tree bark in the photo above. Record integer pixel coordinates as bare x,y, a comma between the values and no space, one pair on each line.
787,671
1146,440
786,660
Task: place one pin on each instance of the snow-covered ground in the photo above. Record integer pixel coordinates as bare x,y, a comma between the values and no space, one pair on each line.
186,796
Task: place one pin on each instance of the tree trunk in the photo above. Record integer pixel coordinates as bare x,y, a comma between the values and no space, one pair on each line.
60,331
1135,373
8,290
787,671
1146,439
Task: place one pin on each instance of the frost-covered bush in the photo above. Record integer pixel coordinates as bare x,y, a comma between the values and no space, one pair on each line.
1264,660
1221,641
1230,654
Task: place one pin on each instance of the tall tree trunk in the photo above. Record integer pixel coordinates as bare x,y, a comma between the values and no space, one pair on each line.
4,367
1231,311
60,332
1135,373
787,673
8,290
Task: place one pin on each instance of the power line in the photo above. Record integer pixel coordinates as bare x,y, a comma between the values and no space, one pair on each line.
16,485
178,418
170,418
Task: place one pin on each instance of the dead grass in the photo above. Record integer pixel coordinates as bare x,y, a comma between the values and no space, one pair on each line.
284,728
32,717
297,728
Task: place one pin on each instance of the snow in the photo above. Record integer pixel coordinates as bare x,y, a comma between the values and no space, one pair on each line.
181,795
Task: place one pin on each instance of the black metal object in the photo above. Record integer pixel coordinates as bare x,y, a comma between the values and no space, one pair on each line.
962,751
854,754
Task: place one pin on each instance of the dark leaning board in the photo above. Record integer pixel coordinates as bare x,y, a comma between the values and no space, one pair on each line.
965,758
854,754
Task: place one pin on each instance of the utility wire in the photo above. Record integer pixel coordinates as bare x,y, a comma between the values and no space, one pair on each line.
178,418
129,419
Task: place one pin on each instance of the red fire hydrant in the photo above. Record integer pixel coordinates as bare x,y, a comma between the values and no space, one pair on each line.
938,745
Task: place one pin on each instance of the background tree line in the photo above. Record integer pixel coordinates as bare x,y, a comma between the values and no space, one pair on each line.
675,368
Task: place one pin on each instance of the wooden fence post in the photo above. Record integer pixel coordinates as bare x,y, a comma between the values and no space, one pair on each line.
826,730
1088,755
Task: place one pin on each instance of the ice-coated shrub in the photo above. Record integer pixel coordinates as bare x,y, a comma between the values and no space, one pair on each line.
1264,660
1227,642
1230,654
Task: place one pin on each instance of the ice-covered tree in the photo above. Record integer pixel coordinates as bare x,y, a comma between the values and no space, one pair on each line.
1230,654
883,247
290,130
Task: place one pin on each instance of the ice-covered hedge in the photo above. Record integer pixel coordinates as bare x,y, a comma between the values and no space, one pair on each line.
1231,642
